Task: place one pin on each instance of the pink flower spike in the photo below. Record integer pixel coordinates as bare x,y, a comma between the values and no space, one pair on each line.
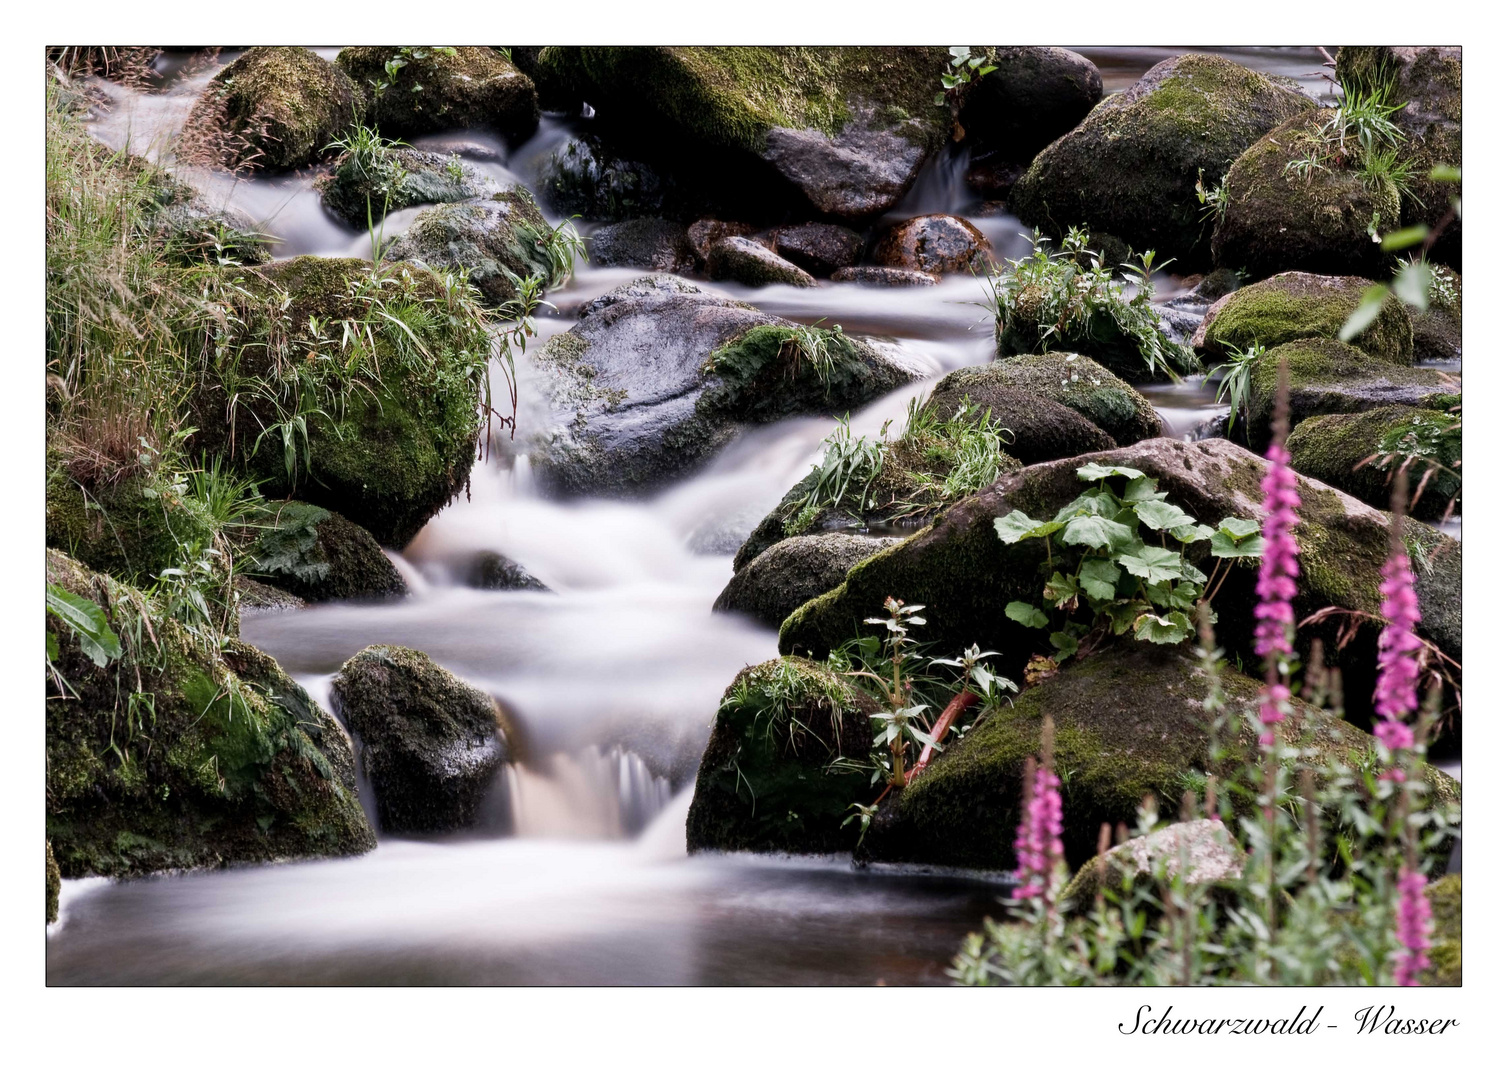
1397,652
1414,928
1277,582
1039,843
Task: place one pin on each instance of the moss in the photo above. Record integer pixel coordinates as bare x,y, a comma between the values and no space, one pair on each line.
493,241
766,374
1445,957
1335,448
54,885
1036,428
1068,379
468,87
1296,305
349,192
354,566
274,107
209,759
766,781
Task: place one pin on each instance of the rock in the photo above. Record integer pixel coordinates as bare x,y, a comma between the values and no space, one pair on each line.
1197,852
659,379
1037,428
648,243
1217,283
233,763
400,178
588,177
935,244
994,177
430,744
494,571
402,445
961,571
1278,219
817,248
793,571
737,258
54,885
847,128
438,90
1437,329
257,595
490,240
1445,956
1332,448
319,556
763,784
1128,723
193,228
273,107
1067,379
884,276
649,287
1325,377
708,231
1296,305
1033,96
1131,166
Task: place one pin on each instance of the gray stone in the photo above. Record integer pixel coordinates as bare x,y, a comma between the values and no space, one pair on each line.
793,571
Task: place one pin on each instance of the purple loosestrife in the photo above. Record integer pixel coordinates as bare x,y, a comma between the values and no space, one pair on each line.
1397,647
1413,929
1039,843
1276,580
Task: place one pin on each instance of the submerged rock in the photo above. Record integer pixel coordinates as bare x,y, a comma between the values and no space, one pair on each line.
318,555
1033,96
494,241
402,177
498,572
1296,305
431,745
818,248
440,89
885,276
1037,428
647,243
789,573
738,258
1067,379
934,244
1335,449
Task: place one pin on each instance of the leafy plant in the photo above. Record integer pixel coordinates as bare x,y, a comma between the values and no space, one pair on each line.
963,68
1235,379
850,464
811,345
561,247
87,622
1212,200
290,544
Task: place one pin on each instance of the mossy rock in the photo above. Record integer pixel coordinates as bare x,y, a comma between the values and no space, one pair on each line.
54,885
1295,305
1128,723
464,87
254,595
1033,96
1102,338
1333,448
431,745
1130,167
1036,428
214,758
748,262
1445,909
766,781
273,107
1072,380
1437,329
318,555
403,177
1325,376
387,454
1277,219
792,571
490,240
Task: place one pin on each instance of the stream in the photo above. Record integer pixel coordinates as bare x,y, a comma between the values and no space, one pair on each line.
580,873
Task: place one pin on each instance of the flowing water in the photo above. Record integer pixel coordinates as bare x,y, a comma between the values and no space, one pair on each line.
578,873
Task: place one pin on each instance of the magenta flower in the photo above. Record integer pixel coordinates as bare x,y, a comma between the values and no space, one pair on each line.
1039,843
1397,654
1414,928
1276,580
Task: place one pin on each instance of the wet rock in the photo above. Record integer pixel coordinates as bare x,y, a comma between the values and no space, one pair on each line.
649,287
884,276
1068,379
237,765
738,258
1130,167
1179,320
1217,283
599,181
708,231
273,107
1279,219
490,240
1296,305
994,177
1195,852
498,572
649,243
257,595
934,244
1033,96
321,556
360,193
194,228
793,571
1333,448
430,744
442,89
1037,428
817,248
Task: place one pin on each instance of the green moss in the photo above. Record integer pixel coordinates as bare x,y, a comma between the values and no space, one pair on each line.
765,374
493,241
1445,957
468,87
1297,305
1334,449
421,178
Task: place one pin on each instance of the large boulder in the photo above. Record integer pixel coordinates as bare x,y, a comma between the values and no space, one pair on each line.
1130,168
273,107
659,374
318,555
360,189
818,248
1033,96
389,453
934,244
431,745
793,571
1295,305
847,129
738,258
1336,449
439,89
645,243
494,241
1034,427
180,754
1278,218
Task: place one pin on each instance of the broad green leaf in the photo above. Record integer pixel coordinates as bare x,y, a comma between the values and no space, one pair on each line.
1060,589
88,622
1162,516
1163,631
1192,573
1097,532
1189,534
1025,614
1096,471
1098,578
1223,547
1154,564
1367,310
1090,502
1413,283
1122,615
1236,528
1066,644
52,647
1141,488
1016,526
1405,238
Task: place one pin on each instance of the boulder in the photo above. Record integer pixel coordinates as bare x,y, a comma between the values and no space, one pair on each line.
1277,218
273,107
934,244
589,177
793,571
664,374
1036,428
1296,305
1335,449
430,745
765,781
438,89
180,754
398,178
388,454
708,231
1033,96
1197,852
318,556
818,248
1130,167
498,572
738,258
494,241
647,243
884,276
254,595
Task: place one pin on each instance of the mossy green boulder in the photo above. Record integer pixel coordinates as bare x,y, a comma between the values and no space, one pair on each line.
1130,167
178,755
437,89
1445,955
495,240
1293,305
792,571
1034,95
768,780
318,555
273,107
1278,218
1335,449
1072,380
1035,427
398,178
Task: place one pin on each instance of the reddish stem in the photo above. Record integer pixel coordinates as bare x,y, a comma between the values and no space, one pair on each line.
963,700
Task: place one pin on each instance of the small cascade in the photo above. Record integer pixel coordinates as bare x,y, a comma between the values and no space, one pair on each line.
589,795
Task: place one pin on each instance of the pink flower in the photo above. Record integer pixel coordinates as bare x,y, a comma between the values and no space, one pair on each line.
1276,581
1039,843
1397,653
1414,927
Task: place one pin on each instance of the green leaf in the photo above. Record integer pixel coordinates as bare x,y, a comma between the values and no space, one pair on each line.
1124,614
1090,502
1025,614
1445,174
1155,564
1098,532
1160,630
88,622
1016,526
1142,488
1413,283
1223,547
1236,528
1405,238
1162,516
1367,310
52,647
1189,534
1095,471
1066,644
1098,578
1060,588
